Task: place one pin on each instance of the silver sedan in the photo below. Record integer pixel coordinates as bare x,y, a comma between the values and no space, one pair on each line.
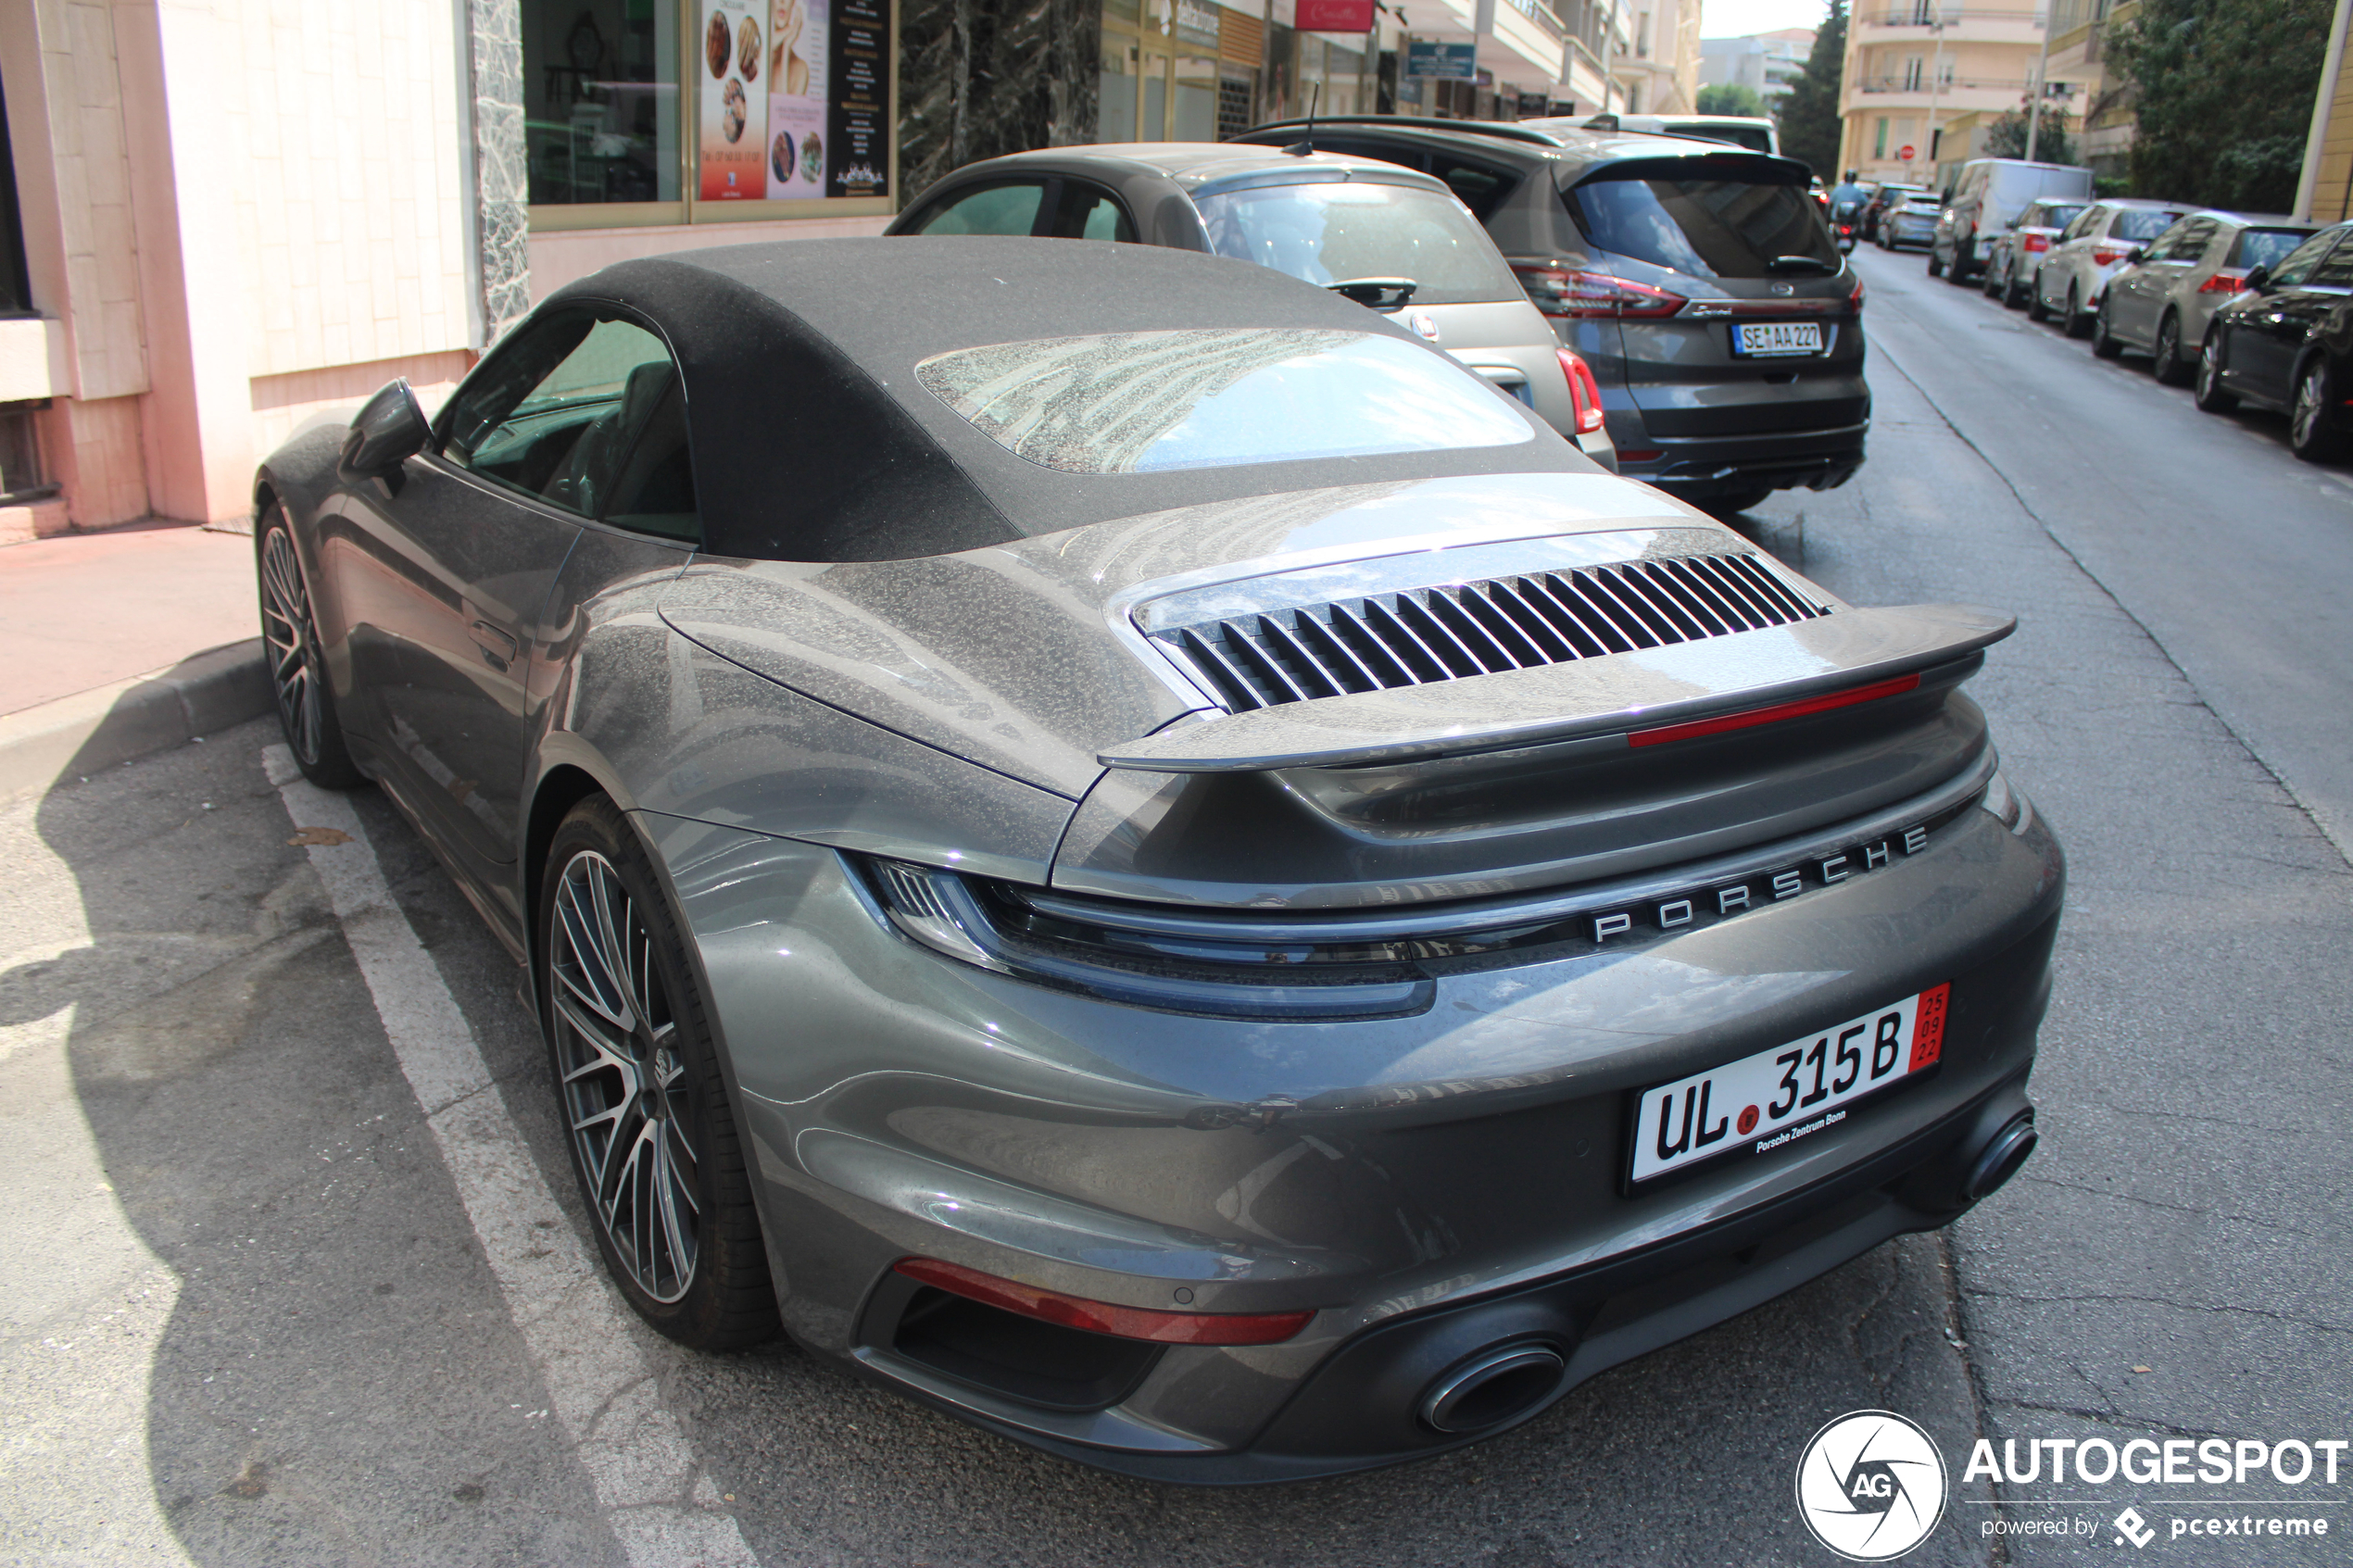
2192,270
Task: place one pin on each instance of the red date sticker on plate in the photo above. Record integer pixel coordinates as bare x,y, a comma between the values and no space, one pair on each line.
1928,1034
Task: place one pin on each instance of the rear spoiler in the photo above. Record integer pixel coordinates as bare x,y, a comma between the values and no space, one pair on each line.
1642,697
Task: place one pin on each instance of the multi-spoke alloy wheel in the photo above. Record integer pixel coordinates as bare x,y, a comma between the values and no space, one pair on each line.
2309,435
306,710
625,1088
644,1098
2209,394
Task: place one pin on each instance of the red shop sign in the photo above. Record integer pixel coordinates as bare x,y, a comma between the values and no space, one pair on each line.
1335,16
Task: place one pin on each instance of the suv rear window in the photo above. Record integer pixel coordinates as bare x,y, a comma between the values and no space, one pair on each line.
1702,228
1334,233
1756,138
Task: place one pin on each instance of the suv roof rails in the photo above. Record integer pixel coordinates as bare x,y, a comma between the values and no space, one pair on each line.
1494,128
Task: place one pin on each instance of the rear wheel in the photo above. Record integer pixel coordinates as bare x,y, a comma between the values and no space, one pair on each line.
2312,434
2209,394
645,1105
1935,267
2106,344
2013,296
2077,322
297,670
2171,370
2035,309
1992,285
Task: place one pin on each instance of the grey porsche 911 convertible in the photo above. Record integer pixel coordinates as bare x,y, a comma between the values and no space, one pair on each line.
1112,840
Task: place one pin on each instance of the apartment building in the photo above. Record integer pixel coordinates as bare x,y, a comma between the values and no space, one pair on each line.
1912,66
1768,63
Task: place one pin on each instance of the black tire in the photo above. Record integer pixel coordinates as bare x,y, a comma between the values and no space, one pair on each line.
1956,271
2013,296
298,669
2106,344
1992,285
2035,309
1935,268
2077,322
2170,370
2207,392
1739,501
2312,434
641,1092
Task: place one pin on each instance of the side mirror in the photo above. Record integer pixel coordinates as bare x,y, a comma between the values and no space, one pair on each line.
2132,254
390,428
2258,279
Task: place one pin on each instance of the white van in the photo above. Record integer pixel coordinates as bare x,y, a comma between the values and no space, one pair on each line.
1986,200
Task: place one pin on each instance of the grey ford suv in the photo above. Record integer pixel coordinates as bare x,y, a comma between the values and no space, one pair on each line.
1699,282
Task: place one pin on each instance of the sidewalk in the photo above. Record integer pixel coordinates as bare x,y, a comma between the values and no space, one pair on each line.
117,644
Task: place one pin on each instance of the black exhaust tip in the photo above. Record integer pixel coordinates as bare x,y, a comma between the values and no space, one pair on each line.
1492,1387
2001,1157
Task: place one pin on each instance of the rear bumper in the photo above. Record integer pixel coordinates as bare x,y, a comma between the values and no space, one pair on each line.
1699,467
1427,1186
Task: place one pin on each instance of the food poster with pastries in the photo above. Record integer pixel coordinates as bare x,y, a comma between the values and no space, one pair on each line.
796,84
735,101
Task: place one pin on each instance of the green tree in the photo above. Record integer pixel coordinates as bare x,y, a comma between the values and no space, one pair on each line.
1731,98
1809,115
2007,137
2223,93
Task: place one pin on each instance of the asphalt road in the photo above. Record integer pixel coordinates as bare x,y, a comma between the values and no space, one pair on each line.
258,1306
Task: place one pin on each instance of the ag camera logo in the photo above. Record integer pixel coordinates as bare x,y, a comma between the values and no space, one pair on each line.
1871,1486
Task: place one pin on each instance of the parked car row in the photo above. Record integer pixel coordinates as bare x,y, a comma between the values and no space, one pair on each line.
1689,288
2246,307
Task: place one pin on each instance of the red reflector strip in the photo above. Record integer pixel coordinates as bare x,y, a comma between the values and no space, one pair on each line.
1774,714
1928,1028
1101,1317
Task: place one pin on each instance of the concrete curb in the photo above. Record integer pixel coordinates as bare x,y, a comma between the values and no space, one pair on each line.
78,735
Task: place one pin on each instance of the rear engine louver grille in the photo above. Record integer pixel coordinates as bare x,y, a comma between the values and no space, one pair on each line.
1429,635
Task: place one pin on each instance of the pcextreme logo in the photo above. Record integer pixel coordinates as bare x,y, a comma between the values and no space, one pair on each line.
1871,1486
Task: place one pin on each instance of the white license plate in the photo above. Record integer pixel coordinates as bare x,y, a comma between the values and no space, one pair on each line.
1777,337
1772,1099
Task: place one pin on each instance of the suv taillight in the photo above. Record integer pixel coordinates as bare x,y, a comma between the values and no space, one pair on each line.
1584,392
2224,281
2036,242
1571,290
2104,255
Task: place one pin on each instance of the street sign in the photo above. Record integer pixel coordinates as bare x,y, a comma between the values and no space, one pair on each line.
1335,16
1457,62
1904,153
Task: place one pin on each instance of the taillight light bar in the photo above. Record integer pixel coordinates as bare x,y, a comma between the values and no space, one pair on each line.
2224,281
1776,713
1574,291
1102,1317
1583,391
2102,256
2035,241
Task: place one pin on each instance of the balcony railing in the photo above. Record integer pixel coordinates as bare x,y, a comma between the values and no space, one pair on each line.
1952,85
1925,18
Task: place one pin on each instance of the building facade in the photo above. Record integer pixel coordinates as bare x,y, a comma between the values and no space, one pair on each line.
1913,66
2082,86
1768,63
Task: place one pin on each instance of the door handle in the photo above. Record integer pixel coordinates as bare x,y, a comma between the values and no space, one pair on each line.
498,648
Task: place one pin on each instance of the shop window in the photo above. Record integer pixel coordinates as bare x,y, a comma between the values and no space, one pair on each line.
15,291
20,475
600,82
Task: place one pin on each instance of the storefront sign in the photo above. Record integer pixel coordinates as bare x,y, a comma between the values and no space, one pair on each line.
795,99
858,164
735,103
1457,62
1336,16
1197,24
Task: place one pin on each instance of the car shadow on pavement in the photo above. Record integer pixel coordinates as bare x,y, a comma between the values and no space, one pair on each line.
285,1344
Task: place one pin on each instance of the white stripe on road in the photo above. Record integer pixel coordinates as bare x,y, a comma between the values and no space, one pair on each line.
662,1509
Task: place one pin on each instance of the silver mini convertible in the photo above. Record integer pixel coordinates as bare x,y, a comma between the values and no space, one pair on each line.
1125,848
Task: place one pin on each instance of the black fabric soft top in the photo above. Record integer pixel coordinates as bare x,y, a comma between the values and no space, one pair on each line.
814,441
